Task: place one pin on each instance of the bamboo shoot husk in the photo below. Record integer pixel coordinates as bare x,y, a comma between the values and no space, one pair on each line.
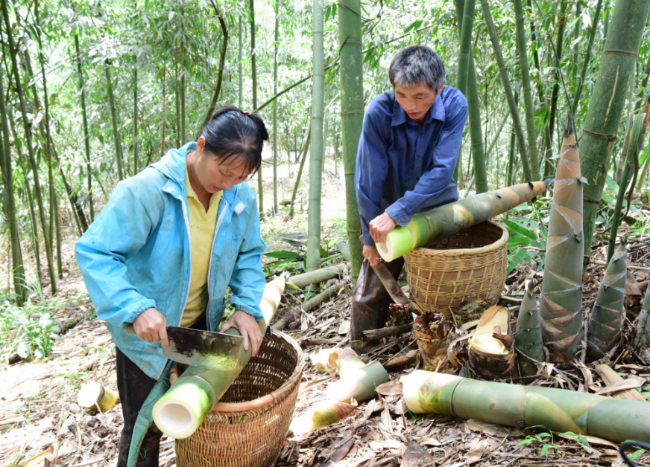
452,218
561,303
94,395
607,314
320,416
610,377
182,409
527,406
528,338
642,338
359,385
491,353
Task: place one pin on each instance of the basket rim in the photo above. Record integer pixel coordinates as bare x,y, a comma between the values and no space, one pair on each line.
226,407
466,251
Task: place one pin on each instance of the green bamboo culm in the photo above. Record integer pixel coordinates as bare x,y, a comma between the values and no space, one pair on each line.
465,44
275,107
528,339
316,149
9,204
84,116
585,63
510,96
351,73
299,175
561,302
635,135
260,186
527,406
607,102
642,338
528,98
116,134
474,113
607,314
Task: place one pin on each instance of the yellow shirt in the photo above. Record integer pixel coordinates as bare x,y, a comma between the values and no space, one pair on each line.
202,226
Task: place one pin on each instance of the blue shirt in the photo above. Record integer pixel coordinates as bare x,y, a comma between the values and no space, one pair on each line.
403,167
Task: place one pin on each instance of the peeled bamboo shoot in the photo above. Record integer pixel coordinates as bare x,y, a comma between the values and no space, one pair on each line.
452,218
320,416
561,303
527,406
528,339
607,314
359,385
182,409
93,396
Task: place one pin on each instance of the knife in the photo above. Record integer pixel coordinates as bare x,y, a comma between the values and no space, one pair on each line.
206,349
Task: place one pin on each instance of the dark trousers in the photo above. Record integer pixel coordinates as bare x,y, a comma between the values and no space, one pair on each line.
370,301
134,386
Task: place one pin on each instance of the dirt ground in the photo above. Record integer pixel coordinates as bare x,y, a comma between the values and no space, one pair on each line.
41,423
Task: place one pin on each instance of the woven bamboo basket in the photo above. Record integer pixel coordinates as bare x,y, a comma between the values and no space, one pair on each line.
250,434
453,271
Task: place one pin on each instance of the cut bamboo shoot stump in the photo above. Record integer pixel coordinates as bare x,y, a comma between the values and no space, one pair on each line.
93,396
359,385
491,352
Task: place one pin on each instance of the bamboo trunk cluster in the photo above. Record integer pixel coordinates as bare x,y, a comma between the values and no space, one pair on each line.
607,314
527,406
452,218
528,338
182,409
561,303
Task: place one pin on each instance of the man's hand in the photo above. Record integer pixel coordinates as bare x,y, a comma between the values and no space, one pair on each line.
381,226
371,254
247,327
151,326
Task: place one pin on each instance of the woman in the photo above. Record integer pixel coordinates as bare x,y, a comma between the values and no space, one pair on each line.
163,251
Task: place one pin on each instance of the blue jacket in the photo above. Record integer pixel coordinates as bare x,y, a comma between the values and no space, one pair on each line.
136,255
403,167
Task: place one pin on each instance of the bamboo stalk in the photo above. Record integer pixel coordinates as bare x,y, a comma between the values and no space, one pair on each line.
359,385
376,334
527,406
302,165
452,218
319,275
182,409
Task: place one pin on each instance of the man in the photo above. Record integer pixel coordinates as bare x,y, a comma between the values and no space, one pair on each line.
405,163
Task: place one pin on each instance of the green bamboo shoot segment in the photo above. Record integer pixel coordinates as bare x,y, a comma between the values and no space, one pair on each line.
94,395
182,409
527,406
320,416
359,385
490,348
561,303
642,338
349,365
607,314
528,339
452,218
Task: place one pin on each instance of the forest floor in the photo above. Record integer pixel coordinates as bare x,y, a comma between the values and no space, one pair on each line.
41,423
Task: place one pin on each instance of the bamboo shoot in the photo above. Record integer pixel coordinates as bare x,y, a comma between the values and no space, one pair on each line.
452,218
181,410
528,339
527,406
360,385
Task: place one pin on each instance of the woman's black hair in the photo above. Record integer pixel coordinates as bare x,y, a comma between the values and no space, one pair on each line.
233,133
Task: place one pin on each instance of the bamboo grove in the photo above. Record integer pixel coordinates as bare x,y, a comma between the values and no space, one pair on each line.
93,92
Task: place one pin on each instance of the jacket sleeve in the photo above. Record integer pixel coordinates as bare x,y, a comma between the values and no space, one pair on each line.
247,281
371,172
439,176
120,230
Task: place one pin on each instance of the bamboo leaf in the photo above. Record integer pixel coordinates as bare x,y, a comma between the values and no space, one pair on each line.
512,226
283,254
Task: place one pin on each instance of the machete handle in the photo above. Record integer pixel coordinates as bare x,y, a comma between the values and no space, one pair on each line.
129,329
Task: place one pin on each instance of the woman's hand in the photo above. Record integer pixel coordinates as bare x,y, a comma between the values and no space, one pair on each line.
247,327
151,326
381,226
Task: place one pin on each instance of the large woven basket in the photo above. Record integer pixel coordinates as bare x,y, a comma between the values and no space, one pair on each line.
250,434
453,271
